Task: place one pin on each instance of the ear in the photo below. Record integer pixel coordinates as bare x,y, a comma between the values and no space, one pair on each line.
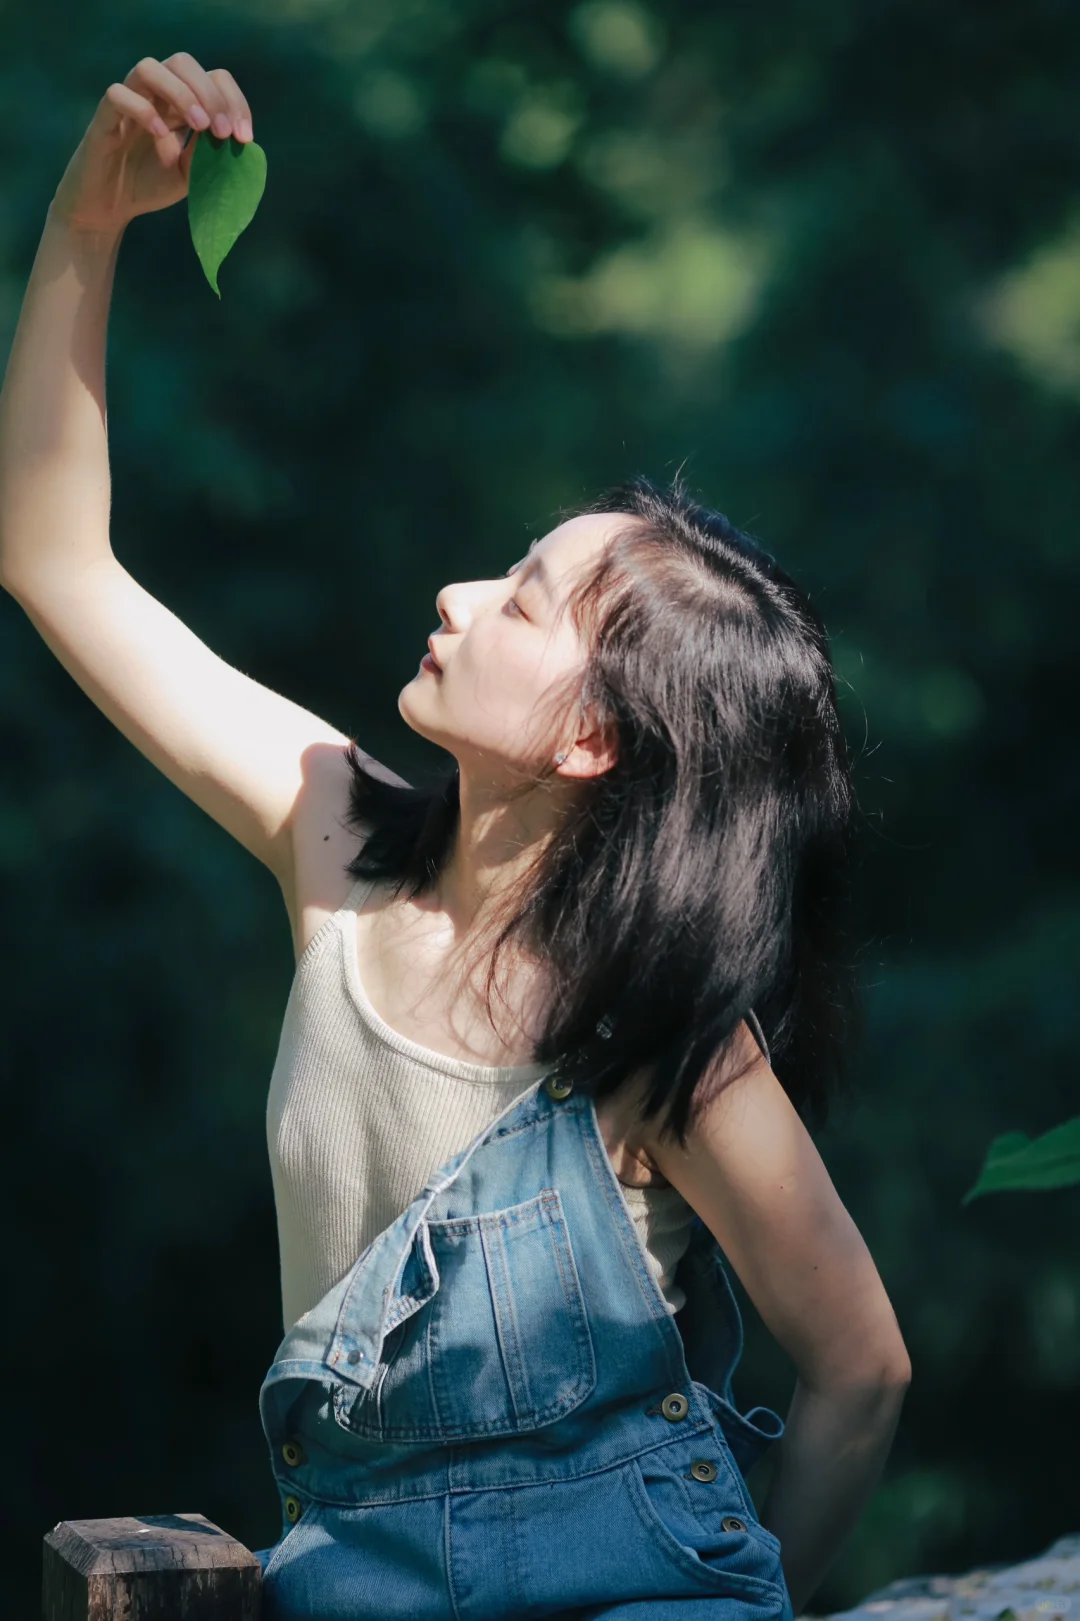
594,752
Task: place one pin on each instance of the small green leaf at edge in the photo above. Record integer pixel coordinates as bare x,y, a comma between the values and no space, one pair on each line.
225,184
1017,1162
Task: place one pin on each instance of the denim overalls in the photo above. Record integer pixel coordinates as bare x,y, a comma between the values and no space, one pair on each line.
494,1416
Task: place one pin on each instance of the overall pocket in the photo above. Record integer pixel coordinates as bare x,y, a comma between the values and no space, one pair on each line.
502,1347
696,1512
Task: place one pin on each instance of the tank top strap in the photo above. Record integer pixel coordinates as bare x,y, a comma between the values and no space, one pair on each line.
335,922
755,1024
357,895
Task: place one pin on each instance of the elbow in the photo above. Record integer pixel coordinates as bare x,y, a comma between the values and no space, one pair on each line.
886,1368
893,1379
885,1397
876,1374
893,1362
898,1371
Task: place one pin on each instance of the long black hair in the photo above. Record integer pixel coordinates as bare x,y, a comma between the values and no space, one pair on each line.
706,874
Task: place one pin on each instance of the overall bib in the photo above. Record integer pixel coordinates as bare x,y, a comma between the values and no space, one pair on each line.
494,1415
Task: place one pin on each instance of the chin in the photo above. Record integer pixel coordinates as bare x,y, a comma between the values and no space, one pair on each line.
407,705
411,711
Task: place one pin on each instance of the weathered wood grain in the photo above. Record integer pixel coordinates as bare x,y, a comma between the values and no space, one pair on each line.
149,1567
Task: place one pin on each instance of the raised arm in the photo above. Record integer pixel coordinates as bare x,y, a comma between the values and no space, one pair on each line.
237,749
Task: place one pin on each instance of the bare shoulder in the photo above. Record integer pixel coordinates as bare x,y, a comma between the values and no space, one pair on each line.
323,841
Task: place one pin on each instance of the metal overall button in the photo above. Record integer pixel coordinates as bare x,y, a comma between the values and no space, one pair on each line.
293,1509
730,1523
294,1454
557,1089
702,1469
674,1407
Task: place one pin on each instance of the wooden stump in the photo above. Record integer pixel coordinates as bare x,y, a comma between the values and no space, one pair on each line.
153,1567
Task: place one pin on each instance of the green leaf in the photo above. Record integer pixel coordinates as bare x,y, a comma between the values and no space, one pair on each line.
1016,1161
225,184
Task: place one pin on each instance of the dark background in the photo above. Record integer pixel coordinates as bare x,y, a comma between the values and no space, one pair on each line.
827,256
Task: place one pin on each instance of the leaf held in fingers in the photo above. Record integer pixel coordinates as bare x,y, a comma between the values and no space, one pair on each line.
225,183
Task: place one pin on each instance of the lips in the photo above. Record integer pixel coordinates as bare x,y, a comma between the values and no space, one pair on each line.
431,653
430,662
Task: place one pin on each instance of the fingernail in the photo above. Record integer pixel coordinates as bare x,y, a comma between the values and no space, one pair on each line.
222,127
198,116
244,130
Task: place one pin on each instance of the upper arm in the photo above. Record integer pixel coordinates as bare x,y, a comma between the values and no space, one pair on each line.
240,751
753,1174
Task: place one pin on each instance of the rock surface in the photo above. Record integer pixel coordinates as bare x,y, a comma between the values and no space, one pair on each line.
1039,1590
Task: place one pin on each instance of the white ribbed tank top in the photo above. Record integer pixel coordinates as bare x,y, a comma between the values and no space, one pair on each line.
359,1116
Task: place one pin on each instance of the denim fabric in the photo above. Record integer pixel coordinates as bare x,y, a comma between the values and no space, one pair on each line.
471,1425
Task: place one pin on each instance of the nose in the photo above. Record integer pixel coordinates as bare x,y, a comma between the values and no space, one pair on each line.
457,604
444,606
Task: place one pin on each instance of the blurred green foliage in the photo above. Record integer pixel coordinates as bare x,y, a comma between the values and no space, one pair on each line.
827,257
1015,1161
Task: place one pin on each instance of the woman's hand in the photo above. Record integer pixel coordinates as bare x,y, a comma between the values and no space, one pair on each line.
133,158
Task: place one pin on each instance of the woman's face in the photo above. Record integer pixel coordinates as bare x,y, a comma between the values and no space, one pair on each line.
503,647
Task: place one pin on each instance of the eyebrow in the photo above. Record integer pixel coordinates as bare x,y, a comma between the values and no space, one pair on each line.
536,566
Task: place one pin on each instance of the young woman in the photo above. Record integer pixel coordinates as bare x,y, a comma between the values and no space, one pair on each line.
554,1031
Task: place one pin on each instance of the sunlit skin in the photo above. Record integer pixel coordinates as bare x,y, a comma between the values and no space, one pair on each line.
504,703
504,646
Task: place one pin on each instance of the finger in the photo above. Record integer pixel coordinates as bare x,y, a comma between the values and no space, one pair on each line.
206,92
119,102
236,101
154,78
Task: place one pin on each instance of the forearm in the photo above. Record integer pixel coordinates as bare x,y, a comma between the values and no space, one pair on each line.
828,1463
54,456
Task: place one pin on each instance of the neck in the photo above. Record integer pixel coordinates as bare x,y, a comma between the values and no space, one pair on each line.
497,841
